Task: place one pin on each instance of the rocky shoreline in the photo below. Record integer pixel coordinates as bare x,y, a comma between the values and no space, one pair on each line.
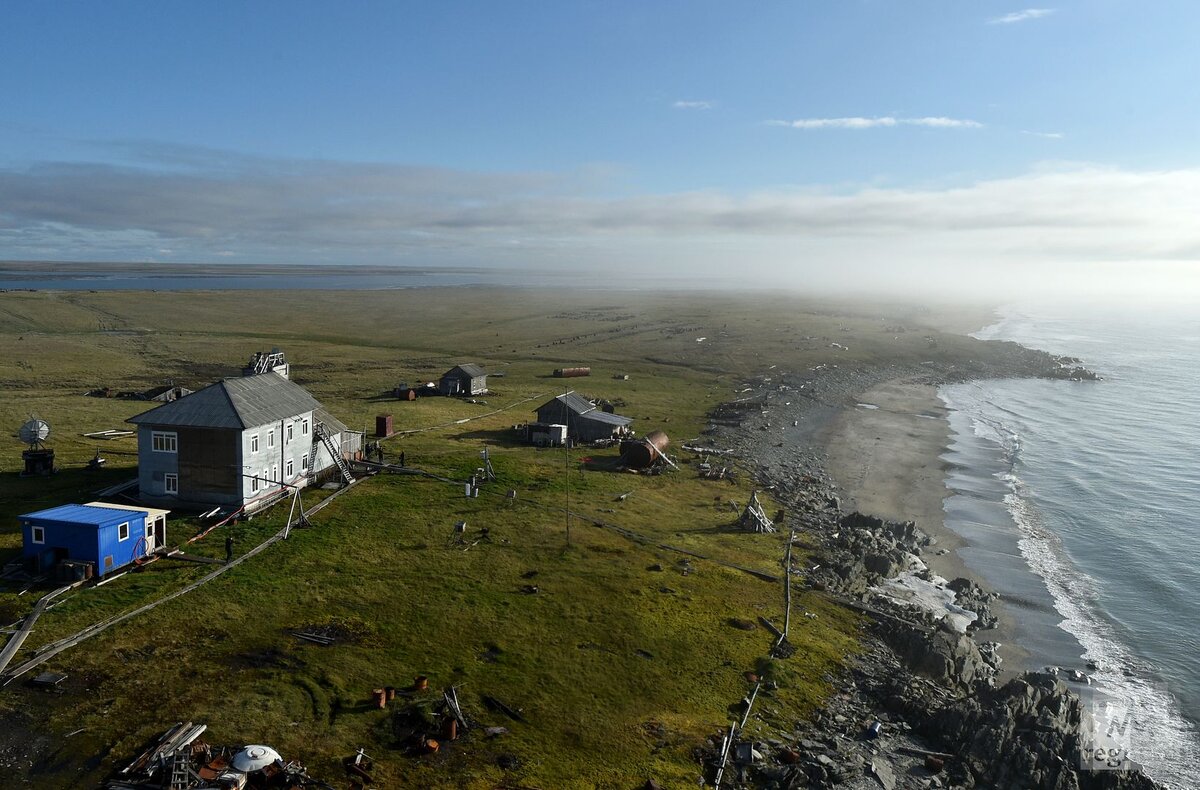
923,706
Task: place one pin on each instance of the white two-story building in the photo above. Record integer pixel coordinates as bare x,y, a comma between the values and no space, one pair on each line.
237,443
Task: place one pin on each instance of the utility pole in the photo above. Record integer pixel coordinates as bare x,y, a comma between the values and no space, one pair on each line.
567,463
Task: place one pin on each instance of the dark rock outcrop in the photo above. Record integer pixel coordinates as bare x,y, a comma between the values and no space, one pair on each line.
1027,733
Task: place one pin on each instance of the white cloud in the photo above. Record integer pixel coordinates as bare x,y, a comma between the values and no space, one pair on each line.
1070,222
944,123
1047,135
871,123
694,105
1021,16
836,123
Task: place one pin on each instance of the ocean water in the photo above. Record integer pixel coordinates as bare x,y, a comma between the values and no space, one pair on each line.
1080,502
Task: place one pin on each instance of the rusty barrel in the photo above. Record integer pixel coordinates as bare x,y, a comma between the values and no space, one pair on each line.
642,453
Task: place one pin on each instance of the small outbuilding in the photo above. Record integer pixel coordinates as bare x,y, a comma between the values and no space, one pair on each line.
464,379
584,420
544,435
164,394
96,540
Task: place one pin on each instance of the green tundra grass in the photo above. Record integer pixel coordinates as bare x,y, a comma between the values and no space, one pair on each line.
622,663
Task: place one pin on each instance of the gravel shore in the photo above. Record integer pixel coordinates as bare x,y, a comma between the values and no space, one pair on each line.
853,455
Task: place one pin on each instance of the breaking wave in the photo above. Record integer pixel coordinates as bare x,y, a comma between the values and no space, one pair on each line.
1162,740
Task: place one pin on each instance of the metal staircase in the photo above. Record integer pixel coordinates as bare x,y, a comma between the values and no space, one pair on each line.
321,437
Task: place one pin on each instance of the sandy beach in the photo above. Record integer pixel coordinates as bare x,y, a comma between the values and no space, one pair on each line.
886,462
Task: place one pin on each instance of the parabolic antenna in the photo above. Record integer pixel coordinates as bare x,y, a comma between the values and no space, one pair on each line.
255,758
34,432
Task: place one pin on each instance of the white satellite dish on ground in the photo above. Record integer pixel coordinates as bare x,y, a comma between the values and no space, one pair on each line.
34,432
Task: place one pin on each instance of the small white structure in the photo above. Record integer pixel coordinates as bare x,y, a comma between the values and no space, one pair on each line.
273,361
156,523
547,435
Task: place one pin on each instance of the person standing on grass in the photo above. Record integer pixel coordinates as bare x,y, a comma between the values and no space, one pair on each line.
229,547
402,458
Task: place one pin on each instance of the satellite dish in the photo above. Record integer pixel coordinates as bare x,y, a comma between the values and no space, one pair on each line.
255,758
34,432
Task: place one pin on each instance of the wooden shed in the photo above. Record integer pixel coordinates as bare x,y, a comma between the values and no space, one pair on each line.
465,379
585,422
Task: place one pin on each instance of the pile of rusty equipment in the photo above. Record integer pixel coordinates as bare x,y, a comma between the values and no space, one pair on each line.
180,760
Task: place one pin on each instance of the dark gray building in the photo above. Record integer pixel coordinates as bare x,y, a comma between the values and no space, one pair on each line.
463,380
235,443
584,420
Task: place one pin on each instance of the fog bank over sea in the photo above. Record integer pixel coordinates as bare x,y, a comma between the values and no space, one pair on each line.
1095,487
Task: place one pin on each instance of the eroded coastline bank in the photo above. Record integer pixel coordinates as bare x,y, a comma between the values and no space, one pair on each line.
925,705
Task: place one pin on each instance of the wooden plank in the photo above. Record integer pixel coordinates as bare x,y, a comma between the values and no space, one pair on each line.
767,624
179,555
14,644
500,707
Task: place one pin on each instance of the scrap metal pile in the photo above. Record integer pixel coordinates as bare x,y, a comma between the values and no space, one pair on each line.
180,760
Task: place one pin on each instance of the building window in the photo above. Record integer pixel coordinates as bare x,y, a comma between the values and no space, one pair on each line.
291,468
275,474
304,427
39,535
164,441
149,531
271,438
253,484
123,531
171,484
290,427
254,443
304,463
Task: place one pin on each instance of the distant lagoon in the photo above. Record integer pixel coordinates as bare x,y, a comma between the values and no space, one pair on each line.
52,276
258,278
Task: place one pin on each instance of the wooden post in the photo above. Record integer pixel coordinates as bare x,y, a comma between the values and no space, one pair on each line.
567,464
787,586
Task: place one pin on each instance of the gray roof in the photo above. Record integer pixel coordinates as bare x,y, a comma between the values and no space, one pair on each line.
582,407
334,425
474,371
240,403
606,417
573,401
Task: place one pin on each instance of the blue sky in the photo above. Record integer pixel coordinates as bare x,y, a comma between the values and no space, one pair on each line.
780,136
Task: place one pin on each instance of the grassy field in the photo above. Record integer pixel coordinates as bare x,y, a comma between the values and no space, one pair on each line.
623,661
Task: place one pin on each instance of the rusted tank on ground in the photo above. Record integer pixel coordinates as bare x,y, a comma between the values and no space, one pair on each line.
643,453
571,373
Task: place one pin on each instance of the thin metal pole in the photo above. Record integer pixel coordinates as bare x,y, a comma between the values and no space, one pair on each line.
567,464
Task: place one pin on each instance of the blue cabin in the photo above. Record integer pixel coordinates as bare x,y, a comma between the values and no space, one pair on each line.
107,538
